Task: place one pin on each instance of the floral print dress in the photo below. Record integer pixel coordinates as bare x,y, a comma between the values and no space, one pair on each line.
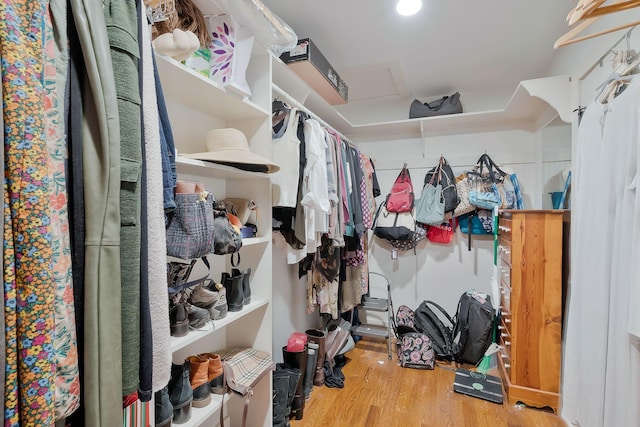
29,290
67,382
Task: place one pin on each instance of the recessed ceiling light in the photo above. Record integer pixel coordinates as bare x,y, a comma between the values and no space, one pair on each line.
408,7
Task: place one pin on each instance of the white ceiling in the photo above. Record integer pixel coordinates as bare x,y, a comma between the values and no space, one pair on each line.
450,45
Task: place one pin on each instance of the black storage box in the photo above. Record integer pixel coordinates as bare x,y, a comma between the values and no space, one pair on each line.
307,62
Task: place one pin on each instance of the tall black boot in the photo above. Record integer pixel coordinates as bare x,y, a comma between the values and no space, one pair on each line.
285,381
233,287
297,360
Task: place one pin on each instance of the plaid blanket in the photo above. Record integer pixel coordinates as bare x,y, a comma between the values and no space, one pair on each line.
244,367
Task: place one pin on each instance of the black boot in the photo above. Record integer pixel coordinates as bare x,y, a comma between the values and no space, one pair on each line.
163,408
233,287
297,360
180,393
285,381
310,371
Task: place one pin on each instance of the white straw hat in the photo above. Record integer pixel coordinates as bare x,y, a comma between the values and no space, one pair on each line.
229,146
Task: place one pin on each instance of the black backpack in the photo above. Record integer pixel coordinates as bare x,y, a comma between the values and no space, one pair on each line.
473,326
431,324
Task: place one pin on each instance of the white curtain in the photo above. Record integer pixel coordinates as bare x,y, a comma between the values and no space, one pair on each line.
601,366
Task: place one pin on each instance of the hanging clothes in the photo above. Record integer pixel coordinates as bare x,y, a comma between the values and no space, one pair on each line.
102,365
603,280
27,254
160,351
122,28
286,148
67,390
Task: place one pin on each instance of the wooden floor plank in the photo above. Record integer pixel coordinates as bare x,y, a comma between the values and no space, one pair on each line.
377,392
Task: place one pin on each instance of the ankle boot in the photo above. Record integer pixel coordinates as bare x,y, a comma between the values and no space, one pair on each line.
163,408
178,319
199,378
318,337
180,393
246,286
212,297
216,373
233,287
297,360
285,381
310,370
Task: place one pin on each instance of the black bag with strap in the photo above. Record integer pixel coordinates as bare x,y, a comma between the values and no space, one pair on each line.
446,178
430,323
473,326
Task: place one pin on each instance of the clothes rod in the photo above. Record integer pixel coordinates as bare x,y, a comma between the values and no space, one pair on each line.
607,53
291,100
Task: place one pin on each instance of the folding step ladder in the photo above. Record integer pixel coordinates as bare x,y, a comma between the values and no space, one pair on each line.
383,330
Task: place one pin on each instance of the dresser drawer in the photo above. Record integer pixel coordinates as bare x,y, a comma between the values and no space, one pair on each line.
505,273
505,315
504,340
505,297
505,358
504,228
504,251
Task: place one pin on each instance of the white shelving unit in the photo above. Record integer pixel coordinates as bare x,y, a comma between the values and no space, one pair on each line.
197,105
533,105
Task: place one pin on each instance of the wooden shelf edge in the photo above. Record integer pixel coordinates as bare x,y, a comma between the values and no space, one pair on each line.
178,343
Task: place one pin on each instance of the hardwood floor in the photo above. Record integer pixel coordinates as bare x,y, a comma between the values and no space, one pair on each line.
378,392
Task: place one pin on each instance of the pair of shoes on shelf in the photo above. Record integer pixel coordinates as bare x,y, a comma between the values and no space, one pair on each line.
212,297
206,377
238,288
184,315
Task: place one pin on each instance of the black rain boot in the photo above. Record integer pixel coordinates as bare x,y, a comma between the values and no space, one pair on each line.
297,360
319,337
246,286
310,371
233,287
180,393
163,408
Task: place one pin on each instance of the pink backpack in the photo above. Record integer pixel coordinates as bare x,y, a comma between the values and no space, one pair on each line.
401,197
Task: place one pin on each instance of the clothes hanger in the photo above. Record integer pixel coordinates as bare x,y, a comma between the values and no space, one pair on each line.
584,7
594,14
622,74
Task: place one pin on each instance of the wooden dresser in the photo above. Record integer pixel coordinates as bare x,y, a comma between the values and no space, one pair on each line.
533,248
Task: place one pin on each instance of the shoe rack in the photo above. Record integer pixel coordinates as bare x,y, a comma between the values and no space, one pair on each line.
197,105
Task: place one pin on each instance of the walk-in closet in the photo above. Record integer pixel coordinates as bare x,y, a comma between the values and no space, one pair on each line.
298,214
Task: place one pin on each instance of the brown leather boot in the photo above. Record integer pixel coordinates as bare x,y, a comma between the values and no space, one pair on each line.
199,379
216,373
318,337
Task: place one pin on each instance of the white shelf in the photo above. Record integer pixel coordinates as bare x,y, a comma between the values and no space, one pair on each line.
533,105
203,94
255,241
200,415
190,166
178,343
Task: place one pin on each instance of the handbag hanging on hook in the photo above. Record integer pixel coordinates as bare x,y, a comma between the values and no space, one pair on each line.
401,197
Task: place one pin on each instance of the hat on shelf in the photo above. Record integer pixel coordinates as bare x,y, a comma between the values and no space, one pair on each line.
230,147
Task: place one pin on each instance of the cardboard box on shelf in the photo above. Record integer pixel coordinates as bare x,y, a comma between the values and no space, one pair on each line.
308,62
